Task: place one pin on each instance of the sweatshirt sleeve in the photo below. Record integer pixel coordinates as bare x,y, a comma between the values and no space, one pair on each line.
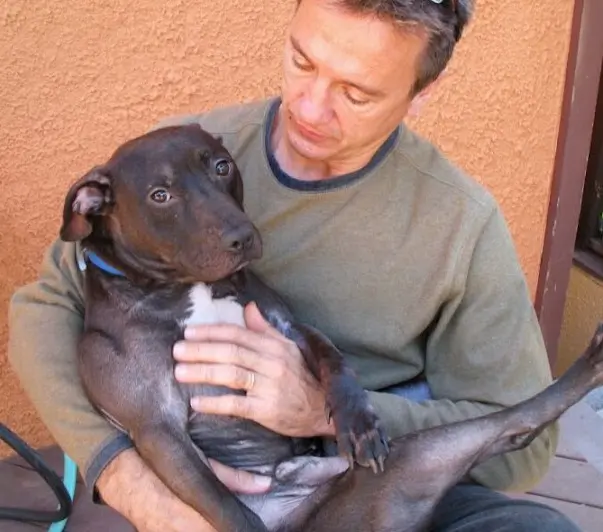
45,324
484,352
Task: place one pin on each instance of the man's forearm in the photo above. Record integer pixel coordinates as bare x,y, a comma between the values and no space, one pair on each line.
517,471
132,489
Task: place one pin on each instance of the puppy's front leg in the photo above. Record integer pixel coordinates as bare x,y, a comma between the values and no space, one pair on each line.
185,470
358,431
146,402
359,434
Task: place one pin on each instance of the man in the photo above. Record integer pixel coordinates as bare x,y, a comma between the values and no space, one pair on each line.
370,234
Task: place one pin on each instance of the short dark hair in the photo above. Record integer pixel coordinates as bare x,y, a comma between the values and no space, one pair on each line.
442,20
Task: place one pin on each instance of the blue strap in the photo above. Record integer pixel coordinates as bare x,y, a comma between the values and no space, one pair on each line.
103,265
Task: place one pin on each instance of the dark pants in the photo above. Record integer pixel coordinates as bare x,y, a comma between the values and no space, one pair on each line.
472,508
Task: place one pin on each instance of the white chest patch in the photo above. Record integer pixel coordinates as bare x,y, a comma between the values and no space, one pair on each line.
207,311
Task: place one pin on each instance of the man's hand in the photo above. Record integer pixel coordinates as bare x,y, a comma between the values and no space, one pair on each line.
132,489
282,394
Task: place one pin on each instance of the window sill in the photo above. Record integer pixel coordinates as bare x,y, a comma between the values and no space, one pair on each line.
590,262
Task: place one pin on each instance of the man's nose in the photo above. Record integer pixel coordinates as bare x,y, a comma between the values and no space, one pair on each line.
314,106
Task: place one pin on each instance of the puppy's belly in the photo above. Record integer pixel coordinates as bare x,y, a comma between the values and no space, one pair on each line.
203,309
295,480
233,441
244,444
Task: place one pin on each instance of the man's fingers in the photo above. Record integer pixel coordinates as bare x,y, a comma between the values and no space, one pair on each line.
240,481
220,353
228,405
234,377
233,334
256,322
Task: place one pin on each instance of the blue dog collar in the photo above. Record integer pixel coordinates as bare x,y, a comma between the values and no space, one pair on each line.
101,264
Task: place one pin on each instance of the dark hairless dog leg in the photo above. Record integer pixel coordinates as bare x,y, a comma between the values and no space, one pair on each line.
423,465
359,436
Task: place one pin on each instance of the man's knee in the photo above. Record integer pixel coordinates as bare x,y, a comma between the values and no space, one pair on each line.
524,516
470,508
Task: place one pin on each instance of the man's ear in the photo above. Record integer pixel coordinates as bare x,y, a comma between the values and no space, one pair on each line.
89,196
422,97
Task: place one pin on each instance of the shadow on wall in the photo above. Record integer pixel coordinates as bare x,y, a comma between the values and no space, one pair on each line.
582,313
79,78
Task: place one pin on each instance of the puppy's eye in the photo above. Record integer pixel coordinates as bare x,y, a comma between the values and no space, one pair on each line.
223,167
160,195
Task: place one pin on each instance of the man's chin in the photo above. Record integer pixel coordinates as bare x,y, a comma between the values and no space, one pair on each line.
308,149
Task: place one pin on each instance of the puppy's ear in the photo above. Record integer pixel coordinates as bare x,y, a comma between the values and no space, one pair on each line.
89,196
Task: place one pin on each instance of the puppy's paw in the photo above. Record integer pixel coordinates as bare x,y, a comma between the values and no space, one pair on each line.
360,437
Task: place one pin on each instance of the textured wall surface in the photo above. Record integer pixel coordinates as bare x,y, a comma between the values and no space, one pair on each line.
78,78
581,315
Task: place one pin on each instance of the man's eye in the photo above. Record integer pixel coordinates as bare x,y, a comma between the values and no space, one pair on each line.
302,64
355,101
160,196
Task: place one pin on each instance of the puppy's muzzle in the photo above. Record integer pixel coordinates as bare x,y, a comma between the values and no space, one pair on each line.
241,239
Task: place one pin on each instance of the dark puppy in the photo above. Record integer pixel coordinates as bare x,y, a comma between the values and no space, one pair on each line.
167,243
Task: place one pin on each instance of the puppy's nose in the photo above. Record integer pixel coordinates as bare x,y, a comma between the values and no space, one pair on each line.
238,239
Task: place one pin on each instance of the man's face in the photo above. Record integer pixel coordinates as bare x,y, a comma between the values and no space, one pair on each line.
347,80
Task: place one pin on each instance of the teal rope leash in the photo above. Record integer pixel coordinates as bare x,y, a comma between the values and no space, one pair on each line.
69,481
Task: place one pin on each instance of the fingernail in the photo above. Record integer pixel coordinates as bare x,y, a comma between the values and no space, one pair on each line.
262,481
178,349
196,403
180,371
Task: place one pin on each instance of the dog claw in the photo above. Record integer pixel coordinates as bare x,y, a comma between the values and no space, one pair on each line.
346,450
350,459
359,436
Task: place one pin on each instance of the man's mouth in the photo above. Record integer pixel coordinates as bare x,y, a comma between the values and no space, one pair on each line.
308,132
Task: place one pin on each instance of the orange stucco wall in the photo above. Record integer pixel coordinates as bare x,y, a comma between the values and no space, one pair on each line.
77,78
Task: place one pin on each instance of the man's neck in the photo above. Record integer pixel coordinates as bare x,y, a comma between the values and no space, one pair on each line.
302,168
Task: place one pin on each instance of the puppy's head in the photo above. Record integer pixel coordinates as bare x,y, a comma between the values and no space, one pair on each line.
167,205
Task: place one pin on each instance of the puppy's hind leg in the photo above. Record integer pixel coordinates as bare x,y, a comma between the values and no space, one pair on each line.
423,465
447,452
526,420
